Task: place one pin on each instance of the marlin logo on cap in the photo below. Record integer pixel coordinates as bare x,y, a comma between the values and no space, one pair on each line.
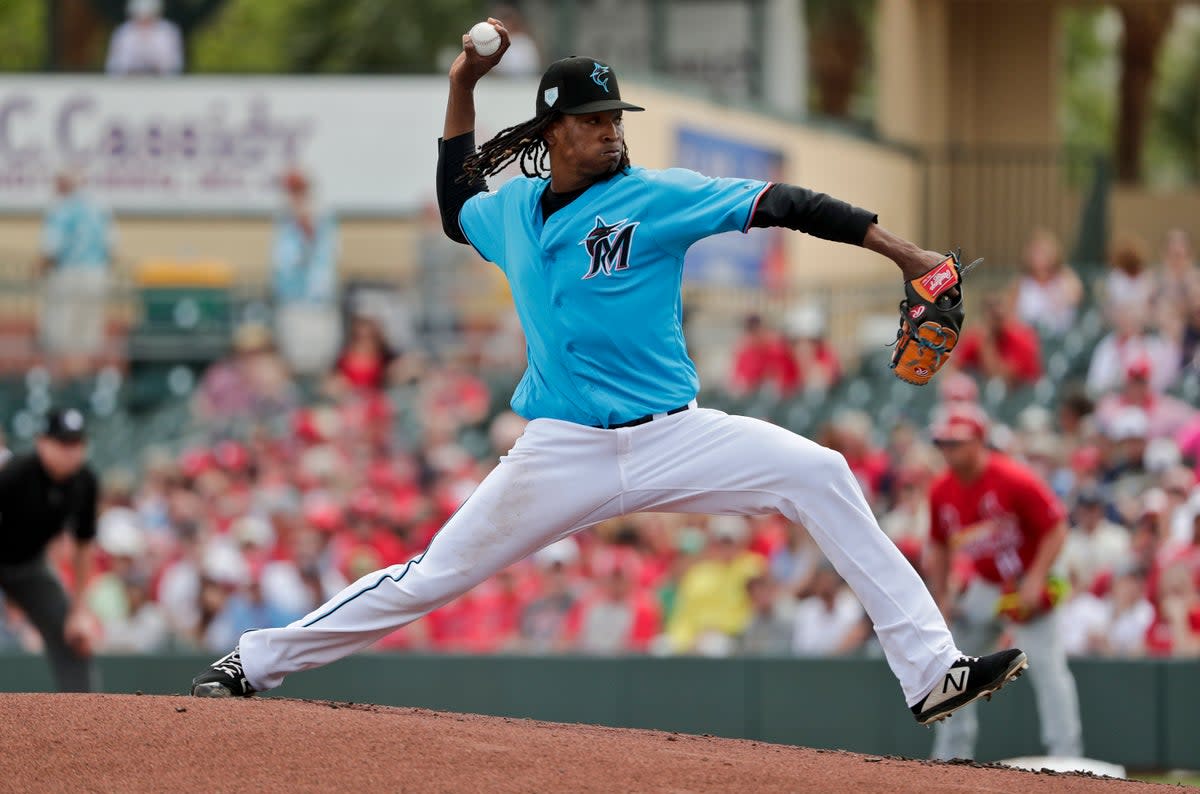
550,95
600,75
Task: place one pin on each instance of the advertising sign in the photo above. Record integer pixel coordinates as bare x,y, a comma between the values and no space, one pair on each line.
219,145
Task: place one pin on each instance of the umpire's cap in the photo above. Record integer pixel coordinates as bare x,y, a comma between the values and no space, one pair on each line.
65,424
579,85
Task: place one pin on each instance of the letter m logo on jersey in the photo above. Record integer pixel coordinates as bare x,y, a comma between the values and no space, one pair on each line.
608,246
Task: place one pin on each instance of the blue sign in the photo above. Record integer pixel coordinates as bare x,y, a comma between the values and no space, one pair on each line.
754,259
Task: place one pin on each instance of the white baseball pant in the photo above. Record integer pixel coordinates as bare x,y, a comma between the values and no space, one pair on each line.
561,477
1053,684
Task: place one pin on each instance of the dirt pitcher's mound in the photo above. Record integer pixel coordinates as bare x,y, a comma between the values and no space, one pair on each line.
131,743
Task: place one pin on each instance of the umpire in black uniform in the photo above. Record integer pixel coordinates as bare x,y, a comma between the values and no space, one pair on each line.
41,493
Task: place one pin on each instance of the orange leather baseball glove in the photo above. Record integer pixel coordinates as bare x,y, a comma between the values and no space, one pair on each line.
931,318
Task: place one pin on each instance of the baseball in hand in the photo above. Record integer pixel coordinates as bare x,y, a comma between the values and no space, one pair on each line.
485,38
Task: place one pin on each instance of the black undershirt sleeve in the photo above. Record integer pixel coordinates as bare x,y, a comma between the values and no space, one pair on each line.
812,213
452,193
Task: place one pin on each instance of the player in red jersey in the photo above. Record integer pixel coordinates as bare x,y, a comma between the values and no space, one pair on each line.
991,510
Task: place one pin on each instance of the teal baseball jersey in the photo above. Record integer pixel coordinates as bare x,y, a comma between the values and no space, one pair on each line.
77,233
597,286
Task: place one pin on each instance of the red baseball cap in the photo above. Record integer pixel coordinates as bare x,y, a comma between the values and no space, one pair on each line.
381,475
1139,368
231,455
959,422
365,502
322,512
194,462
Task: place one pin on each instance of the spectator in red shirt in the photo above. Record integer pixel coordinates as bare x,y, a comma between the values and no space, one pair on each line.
760,359
850,434
454,396
1176,627
485,620
364,361
1002,348
807,360
367,541
995,511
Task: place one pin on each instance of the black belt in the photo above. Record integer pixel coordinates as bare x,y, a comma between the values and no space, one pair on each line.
641,420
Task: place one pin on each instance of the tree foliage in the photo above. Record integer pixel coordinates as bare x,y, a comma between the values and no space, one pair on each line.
22,35
337,36
1091,68
1091,108
839,52
376,35
1173,153
263,36
247,36
187,14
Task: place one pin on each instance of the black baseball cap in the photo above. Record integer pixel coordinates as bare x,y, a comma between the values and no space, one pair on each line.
65,424
579,85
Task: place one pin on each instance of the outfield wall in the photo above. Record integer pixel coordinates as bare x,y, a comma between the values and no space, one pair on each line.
1143,714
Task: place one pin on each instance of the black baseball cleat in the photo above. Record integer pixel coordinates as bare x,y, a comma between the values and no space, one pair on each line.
224,678
969,679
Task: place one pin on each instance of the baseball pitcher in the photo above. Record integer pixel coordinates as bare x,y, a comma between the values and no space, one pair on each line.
593,250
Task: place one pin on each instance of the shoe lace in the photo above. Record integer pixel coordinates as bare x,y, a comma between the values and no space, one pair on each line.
230,665
968,658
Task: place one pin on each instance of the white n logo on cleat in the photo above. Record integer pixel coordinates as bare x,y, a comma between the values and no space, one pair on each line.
960,684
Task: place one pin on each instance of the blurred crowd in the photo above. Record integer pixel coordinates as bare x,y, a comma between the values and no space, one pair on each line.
1121,448
284,500
238,534
1151,317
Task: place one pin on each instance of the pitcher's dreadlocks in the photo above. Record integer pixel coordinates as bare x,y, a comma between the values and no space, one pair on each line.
521,143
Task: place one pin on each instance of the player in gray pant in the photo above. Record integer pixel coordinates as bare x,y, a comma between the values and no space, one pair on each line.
976,626
998,513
